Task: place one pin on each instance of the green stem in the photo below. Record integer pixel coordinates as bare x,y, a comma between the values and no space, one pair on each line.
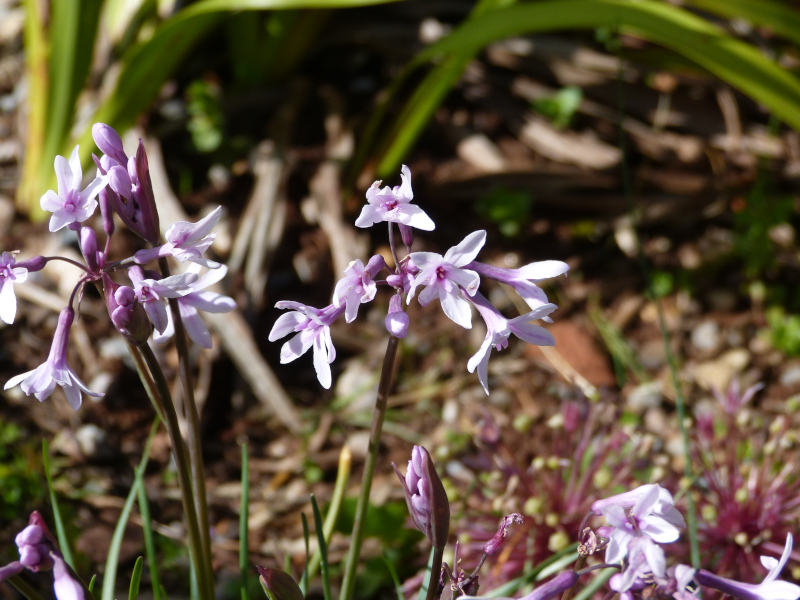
349,581
193,421
24,588
206,588
436,573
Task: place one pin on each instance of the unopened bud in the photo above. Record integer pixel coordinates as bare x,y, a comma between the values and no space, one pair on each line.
425,497
106,212
407,234
557,585
33,264
109,142
397,320
89,250
279,585
493,546
119,181
143,194
126,313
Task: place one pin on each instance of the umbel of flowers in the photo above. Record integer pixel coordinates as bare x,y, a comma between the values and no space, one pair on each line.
453,279
141,302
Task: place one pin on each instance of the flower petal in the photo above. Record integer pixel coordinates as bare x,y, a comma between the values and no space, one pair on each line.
455,307
542,270
466,251
8,302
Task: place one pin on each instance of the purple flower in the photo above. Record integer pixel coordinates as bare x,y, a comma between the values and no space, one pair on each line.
357,286
663,507
445,277
55,371
525,278
186,241
426,498
499,329
9,275
645,557
151,293
769,589
394,205
197,300
38,551
647,518
71,205
312,326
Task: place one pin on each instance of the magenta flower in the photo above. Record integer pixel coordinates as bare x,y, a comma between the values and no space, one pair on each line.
445,277
312,326
197,300
394,205
55,371
357,286
499,329
524,279
151,293
71,205
769,589
186,241
9,275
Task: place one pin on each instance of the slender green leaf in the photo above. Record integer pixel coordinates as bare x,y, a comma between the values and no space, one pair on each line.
781,17
244,512
136,578
738,63
63,542
596,584
423,590
306,537
339,488
92,582
323,549
24,588
536,574
112,561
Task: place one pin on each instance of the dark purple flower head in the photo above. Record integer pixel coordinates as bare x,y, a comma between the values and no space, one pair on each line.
425,496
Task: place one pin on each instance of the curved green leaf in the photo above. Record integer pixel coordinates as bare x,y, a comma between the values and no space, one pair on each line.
778,16
732,60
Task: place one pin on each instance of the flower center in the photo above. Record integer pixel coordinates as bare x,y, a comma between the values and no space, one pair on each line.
390,204
71,201
441,273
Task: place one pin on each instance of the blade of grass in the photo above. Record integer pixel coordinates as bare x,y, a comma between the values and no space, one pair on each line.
136,578
63,542
92,582
323,549
112,562
596,584
306,537
534,574
778,16
244,513
423,590
342,477
24,588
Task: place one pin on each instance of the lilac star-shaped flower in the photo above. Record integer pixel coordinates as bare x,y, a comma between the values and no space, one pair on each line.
445,277
499,329
357,286
55,371
71,205
312,326
186,241
152,292
394,205
9,275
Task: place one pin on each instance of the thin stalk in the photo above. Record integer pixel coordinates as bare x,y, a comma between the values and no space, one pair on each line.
567,595
349,581
206,591
147,380
680,402
24,588
193,421
436,573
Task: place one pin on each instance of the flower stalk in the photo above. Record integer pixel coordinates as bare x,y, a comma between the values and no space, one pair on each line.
378,416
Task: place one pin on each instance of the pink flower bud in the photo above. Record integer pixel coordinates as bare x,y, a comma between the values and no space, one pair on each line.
34,264
109,142
278,584
128,316
407,234
397,320
93,258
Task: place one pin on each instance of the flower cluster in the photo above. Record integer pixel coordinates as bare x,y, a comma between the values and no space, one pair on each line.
138,308
452,278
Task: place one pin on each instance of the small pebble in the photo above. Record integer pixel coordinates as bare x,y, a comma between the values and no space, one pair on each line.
705,336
